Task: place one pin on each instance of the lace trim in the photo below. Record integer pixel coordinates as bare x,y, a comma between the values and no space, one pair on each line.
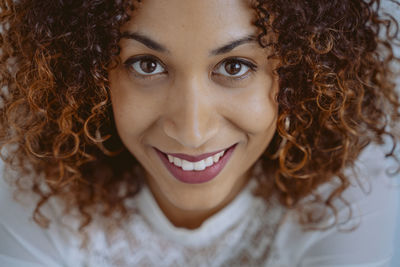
246,243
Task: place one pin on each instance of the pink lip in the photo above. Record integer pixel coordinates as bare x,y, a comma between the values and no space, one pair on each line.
196,177
194,158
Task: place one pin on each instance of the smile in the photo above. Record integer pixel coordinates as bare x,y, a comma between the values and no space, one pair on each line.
198,165
199,169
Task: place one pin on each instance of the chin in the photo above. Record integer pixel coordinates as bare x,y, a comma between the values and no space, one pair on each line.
201,198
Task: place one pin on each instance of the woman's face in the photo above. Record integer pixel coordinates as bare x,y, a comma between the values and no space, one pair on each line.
194,81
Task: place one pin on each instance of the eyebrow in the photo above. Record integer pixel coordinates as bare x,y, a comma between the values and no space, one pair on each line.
147,41
154,45
230,46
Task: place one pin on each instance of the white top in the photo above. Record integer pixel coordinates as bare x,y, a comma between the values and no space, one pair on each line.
247,232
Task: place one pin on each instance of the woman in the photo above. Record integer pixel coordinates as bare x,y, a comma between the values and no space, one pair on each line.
197,133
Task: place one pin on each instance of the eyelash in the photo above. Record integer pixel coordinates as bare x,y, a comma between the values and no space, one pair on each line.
131,61
134,60
251,68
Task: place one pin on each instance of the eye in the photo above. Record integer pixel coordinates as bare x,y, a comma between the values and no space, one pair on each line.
235,67
145,65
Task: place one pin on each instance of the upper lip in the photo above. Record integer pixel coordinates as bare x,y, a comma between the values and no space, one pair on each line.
195,158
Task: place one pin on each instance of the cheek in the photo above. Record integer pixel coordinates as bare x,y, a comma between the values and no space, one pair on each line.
134,111
255,110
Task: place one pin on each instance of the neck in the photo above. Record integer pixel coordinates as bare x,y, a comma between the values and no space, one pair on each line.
192,219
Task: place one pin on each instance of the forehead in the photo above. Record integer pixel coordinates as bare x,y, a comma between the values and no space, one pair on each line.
202,23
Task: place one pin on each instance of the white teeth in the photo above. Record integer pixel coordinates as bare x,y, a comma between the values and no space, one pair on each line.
187,165
197,166
177,162
200,165
217,156
209,161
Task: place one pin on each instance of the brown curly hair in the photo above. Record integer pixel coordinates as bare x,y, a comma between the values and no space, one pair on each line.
337,95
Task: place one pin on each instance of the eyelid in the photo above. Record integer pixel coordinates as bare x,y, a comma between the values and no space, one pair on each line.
252,67
132,60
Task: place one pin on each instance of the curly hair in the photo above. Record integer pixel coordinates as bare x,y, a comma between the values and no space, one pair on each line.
337,95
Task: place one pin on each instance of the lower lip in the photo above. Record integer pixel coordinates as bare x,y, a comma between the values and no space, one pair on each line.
197,177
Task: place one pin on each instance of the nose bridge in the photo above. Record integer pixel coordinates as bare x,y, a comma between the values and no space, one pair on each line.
191,118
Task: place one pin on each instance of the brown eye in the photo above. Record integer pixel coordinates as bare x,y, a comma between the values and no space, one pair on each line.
148,66
233,67
145,65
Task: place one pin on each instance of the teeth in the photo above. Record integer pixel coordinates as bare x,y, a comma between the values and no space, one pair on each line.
197,166
200,165
177,162
217,156
187,165
209,161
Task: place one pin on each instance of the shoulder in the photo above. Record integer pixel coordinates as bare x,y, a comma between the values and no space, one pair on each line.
23,242
369,225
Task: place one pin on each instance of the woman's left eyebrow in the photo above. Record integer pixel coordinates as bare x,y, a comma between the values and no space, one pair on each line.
230,46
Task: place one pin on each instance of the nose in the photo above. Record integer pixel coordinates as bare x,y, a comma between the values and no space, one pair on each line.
190,117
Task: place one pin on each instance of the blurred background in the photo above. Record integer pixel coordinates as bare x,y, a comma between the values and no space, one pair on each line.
394,10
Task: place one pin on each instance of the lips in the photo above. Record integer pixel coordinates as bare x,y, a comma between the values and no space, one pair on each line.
195,158
196,177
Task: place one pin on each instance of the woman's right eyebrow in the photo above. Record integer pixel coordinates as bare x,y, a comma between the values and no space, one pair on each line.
147,41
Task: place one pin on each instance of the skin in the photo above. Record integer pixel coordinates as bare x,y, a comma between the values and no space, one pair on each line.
189,104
